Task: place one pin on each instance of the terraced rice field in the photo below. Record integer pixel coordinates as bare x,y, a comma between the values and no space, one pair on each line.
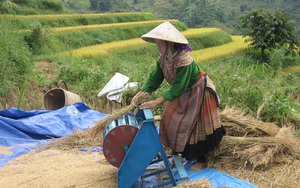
96,15
206,54
105,26
104,49
235,46
292,69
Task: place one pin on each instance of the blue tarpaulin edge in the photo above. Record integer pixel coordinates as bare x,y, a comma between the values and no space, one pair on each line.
24,131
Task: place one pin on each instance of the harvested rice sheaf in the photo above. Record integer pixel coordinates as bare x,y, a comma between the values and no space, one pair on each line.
258,145
251,143
202,183
93,137
76,140
239,124
100,126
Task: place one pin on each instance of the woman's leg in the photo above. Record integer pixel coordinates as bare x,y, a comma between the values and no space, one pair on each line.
201,163
197,166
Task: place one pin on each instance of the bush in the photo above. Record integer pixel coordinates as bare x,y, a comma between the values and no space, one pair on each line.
282,57
6,7
16,60
281,110
27,7
36,40
50,5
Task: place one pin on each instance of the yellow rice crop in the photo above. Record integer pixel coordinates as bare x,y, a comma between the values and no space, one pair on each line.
233,47
103,49
292,69
104,26
55,16
198,31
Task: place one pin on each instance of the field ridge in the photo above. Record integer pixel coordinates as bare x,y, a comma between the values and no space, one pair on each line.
237,44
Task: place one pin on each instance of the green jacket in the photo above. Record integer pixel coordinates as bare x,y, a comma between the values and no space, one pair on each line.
186,76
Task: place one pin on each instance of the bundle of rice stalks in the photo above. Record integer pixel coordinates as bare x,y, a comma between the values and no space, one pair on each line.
259,152
239,124
97,130
202,183
93,136
279,176
76,140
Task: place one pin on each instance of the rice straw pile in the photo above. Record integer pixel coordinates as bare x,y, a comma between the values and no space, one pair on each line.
201,183
238,124
76,140
93,136
253,144
249,143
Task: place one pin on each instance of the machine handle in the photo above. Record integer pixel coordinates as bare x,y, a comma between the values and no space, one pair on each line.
145,115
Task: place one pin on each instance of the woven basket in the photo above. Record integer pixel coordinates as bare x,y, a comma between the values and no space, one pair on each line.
59,97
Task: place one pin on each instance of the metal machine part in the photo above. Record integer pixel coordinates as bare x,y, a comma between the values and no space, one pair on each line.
118,136
131,143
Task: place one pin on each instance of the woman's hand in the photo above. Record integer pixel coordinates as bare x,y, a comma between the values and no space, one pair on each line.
152,104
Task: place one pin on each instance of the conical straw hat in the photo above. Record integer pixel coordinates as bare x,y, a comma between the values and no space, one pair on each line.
165,31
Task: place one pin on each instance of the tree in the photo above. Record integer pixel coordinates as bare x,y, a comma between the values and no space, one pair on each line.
100,5
265,30
94,4
36,40
104,5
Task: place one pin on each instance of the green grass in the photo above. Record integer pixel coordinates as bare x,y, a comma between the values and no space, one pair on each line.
55,41
241,80
198,39
65,20
248,84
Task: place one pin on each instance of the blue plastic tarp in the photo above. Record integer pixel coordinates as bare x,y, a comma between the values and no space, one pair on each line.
219,179
215,177
24,131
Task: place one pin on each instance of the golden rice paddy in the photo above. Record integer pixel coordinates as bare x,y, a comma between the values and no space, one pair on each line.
231,48
200,55
106,26
55,16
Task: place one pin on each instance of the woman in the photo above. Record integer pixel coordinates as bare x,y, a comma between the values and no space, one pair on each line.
190,123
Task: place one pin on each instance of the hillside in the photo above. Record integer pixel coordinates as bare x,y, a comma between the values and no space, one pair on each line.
197,13
80,48
86,50
94,39
202,13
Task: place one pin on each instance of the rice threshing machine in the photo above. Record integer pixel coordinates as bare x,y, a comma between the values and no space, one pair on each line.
131,143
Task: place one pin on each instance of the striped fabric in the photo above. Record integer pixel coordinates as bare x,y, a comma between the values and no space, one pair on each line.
195,114
180,116
209,120
169,66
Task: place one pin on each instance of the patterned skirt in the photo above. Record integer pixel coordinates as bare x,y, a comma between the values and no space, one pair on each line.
208,131
191,124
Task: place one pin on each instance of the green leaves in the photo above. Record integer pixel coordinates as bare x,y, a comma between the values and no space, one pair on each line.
268,30
15,62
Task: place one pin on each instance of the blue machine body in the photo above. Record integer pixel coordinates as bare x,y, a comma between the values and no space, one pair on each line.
145,147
